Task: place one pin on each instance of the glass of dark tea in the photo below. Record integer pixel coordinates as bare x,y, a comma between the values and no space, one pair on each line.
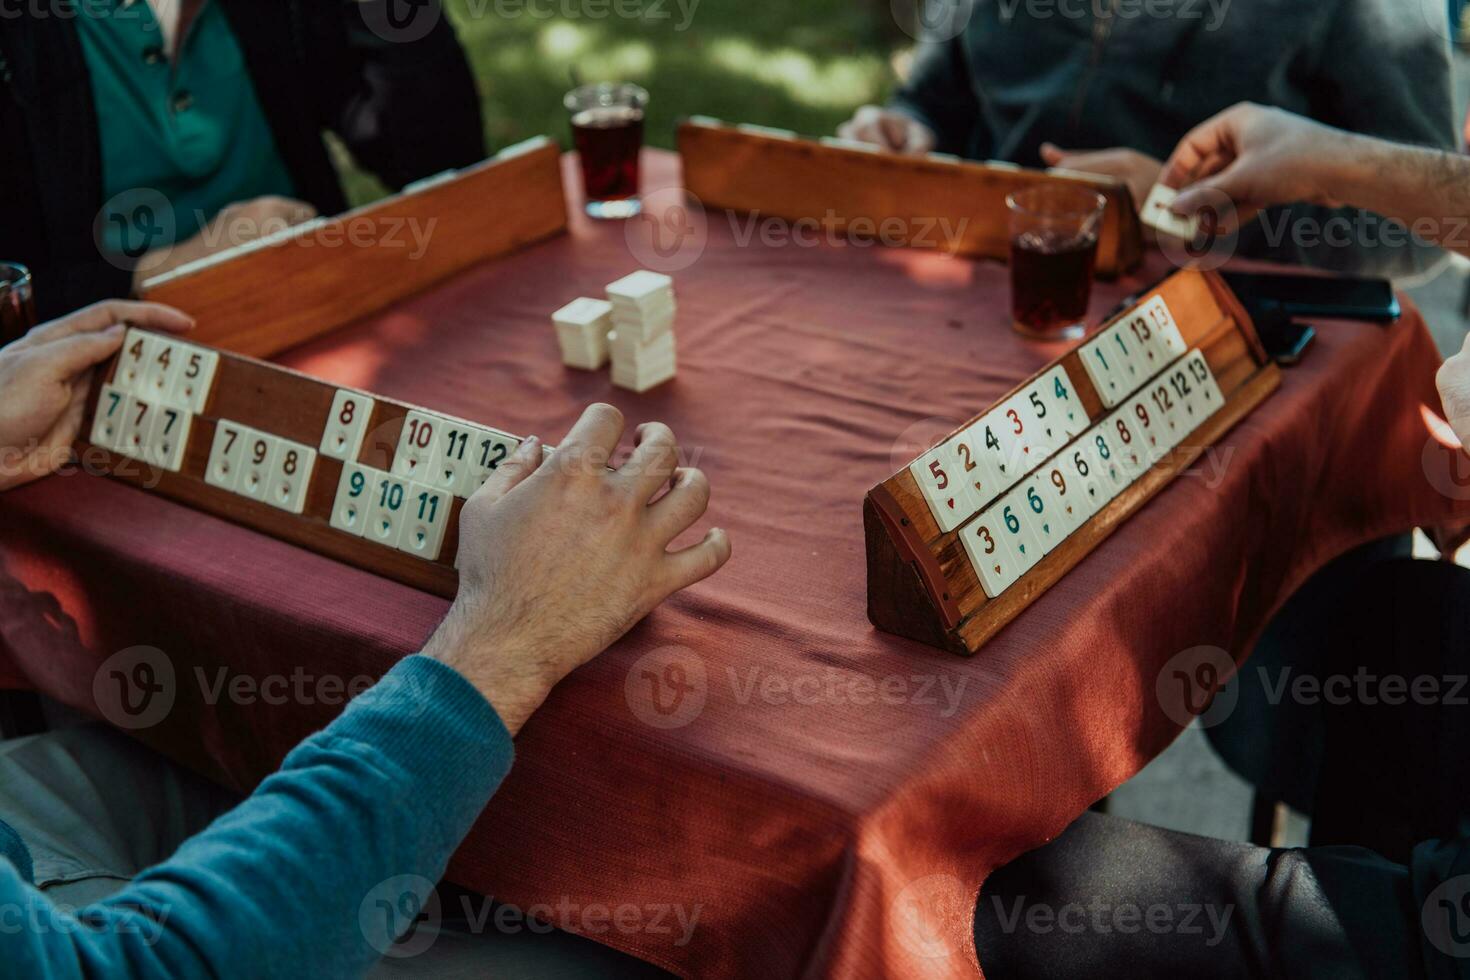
607,128
1054,229
17,302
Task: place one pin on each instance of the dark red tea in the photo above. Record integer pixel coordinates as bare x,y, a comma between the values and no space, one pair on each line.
17,306
1051,281
608,139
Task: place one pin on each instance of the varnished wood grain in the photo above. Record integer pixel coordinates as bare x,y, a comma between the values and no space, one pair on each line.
290,405
1209,319
273,297
993,616
799,179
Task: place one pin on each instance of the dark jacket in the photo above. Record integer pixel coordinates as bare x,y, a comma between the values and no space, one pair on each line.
1092,74
406,109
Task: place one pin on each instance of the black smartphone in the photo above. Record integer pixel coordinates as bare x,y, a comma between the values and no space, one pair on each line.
1284,338
1341,297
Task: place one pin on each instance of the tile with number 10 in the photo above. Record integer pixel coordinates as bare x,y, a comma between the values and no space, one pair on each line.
417,456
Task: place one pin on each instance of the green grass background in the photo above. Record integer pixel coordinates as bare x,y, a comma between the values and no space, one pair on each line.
801,64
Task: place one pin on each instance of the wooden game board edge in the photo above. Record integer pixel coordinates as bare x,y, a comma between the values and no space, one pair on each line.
899,553
954,569
927,530
919,576
1120,246
928,570
438,577
996,613
905,604
940,162
231,300
284,237
318,538
1205,340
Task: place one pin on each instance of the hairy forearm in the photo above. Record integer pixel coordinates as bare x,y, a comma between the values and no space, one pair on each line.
1426,189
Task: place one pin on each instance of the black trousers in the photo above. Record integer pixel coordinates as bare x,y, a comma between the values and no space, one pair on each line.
1113,898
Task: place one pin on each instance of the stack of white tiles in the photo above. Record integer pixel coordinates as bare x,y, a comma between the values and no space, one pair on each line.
642,341
582,327
635,325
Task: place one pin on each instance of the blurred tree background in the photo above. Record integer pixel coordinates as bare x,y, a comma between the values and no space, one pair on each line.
799,65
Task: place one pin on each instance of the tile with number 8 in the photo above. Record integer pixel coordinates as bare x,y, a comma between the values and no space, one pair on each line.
1128,447
1102,451
347,423
291,475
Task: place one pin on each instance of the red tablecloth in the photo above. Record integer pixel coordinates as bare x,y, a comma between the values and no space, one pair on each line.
832,796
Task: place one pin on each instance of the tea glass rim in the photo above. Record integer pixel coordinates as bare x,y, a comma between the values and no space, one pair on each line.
598,94
14,282
1098,203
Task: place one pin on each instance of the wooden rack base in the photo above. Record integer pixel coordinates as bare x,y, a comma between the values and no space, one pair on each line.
921,582
939,201
265,297
292,406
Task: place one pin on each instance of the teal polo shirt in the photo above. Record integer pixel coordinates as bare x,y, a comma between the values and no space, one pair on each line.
180,139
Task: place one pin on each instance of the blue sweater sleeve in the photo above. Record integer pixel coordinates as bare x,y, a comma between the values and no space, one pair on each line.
294,881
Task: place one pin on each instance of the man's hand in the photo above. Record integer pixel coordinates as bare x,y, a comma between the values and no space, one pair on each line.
1139,171
890,129
235,225
1454,392
1259,157
45,377
558,559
